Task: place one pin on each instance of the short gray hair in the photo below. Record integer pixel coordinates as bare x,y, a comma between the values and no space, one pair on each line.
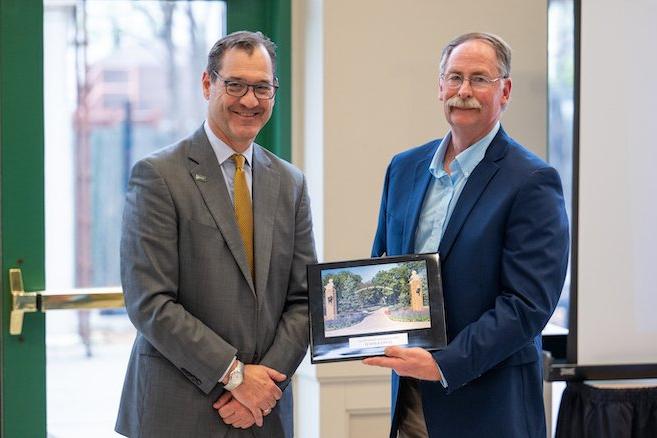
502,50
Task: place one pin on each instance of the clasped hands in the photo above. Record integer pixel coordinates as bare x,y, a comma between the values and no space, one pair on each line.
253,399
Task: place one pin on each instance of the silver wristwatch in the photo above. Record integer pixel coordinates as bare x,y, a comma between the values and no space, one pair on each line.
235,377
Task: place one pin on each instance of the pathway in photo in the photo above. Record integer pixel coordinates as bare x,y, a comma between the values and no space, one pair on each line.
377,322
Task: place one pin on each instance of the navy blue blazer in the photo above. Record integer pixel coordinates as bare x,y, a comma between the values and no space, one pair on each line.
503,258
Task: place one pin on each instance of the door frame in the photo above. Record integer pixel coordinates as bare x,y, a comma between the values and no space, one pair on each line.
23,376
275,21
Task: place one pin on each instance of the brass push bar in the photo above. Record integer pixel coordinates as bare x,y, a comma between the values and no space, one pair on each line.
42,301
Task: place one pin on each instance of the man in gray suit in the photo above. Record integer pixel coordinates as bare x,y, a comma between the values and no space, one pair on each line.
216,238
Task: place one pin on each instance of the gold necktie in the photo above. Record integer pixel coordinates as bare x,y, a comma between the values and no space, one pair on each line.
243,210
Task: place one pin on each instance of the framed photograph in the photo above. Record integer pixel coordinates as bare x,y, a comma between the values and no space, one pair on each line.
360,307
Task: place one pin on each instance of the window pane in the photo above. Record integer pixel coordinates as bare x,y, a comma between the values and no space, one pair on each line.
121,79
561,34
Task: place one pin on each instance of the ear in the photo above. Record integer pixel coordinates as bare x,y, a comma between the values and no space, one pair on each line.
506,91
440,90
206,83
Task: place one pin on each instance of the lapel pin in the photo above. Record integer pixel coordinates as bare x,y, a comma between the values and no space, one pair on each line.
201,178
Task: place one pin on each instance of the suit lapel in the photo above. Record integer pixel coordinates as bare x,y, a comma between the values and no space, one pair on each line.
266,185
472,191
421,180
209,179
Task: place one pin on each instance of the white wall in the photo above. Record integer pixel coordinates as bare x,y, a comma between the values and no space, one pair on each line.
365,75
617,193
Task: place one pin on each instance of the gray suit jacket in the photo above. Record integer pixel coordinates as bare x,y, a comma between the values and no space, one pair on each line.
189,292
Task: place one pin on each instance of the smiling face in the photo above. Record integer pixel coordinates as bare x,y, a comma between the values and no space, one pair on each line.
473,112
237,120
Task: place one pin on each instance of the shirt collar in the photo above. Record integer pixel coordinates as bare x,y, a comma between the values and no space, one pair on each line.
222,150
466,160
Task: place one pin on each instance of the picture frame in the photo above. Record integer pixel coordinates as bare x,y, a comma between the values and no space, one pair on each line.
359,307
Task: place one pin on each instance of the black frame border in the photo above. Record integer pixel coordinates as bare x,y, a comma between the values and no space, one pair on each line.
433,338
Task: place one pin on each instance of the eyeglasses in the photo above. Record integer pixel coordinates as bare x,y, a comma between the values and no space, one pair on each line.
455,80
239,88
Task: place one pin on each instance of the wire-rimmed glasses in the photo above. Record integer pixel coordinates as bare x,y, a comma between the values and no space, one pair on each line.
456,80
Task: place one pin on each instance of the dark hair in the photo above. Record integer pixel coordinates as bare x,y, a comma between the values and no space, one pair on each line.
502,50
243,40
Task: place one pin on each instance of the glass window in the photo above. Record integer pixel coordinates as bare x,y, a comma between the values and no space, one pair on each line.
115,75
561,34
122,79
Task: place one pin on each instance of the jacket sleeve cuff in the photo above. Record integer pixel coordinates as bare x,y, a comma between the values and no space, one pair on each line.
443,380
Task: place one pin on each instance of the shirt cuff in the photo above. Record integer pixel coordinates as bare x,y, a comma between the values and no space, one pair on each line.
443,380
223,376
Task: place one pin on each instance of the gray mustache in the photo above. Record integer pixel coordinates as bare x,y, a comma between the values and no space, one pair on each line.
457,102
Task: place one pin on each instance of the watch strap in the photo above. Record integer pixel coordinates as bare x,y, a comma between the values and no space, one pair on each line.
235,377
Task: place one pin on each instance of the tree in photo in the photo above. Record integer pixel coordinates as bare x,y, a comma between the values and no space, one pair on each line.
346,284
394,283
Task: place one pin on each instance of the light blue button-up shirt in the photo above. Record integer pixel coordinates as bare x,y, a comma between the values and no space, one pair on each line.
443,194
444,190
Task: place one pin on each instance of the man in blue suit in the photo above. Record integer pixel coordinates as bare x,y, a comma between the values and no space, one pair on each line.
495,213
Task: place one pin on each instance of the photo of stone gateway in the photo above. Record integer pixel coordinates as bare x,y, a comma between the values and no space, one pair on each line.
375,298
